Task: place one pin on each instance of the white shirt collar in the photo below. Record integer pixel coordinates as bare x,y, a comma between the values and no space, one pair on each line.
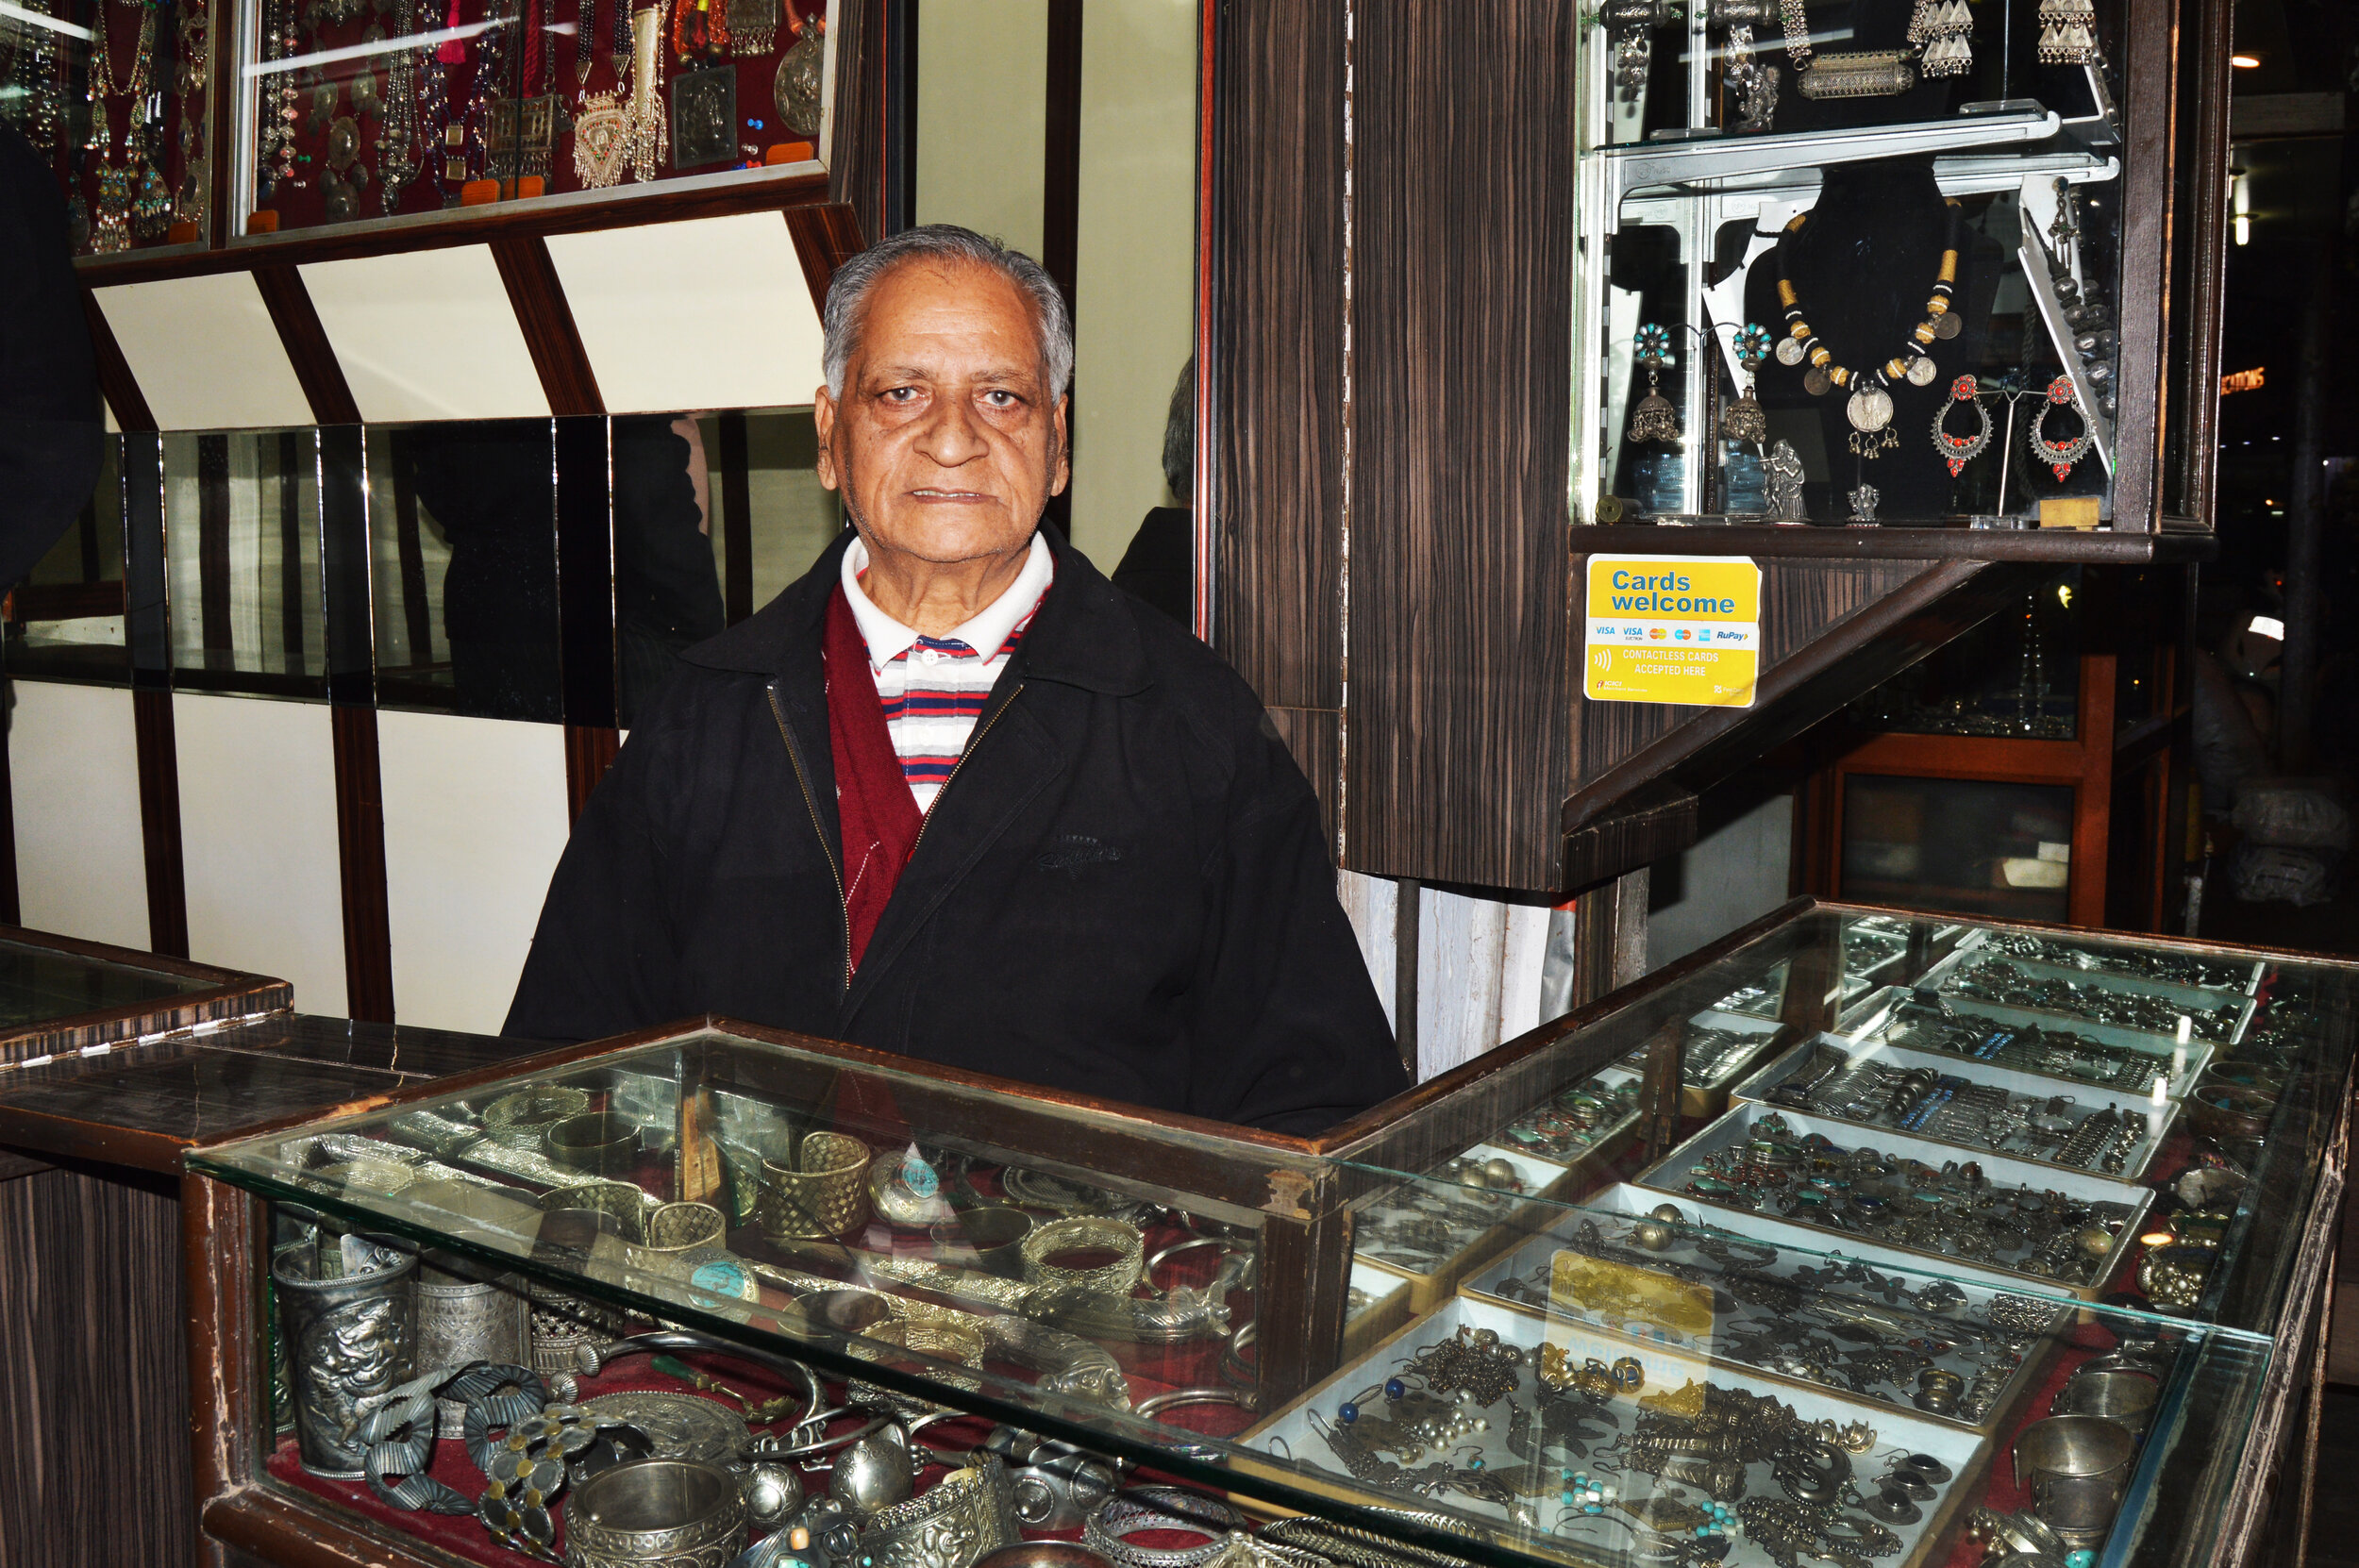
888,639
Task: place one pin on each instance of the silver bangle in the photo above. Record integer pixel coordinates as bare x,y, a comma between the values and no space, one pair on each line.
1245,1399
679,1511
1086,1232
956,1523
1159,1507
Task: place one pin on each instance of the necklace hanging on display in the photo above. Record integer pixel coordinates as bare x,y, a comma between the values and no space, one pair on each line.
795,88
704,116
601,142
753,27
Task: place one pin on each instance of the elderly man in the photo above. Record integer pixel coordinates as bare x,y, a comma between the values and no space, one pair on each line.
952,794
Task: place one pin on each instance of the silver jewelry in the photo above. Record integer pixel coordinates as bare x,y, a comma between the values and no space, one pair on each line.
1866,74
1944,29
965,1516
1863,500
522,1117
681,1425
679,1512
2060,455
1086,1232
1159,1507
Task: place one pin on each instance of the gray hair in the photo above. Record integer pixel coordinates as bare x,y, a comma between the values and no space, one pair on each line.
1179,435
847,296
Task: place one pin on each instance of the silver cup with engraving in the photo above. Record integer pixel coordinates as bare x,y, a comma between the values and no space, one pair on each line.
349,1309
468,1313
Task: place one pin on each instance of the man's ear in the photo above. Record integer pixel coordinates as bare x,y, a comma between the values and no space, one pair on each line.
823,422
1061,474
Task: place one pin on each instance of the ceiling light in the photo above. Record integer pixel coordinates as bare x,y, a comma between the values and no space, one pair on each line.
2245,62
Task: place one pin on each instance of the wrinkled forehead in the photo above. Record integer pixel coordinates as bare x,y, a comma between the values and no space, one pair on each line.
943,317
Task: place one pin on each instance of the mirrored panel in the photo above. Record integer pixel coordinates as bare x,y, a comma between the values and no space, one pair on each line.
241,552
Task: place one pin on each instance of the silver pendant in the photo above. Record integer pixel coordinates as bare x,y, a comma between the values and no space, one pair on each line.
1870,408
1816,381
1789,350
1921,372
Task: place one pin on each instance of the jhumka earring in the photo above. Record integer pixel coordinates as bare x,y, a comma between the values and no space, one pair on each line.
1630,24
1957,450
1655,420
1944,29
2060,455
1753,82
1743,420
2068,32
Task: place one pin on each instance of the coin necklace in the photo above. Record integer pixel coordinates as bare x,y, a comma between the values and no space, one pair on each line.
1871,405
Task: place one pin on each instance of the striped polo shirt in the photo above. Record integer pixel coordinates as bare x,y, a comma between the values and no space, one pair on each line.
933,688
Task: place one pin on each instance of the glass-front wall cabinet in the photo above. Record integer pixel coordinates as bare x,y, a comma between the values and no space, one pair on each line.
1969,1241
1859,262
352,110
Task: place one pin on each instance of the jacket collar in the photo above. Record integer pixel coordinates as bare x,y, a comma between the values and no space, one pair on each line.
1084,634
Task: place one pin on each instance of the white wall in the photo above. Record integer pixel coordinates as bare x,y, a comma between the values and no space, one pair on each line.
474,820
258,842
74,772
1134,273
982,116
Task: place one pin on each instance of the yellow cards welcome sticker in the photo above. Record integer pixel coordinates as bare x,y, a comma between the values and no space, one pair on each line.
1678,629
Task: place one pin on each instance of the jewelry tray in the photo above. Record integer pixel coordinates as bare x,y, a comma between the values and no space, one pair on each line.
1386,1310
1872,1019
2195,995
1707,1096
1669,1176
1472,1244
1290,1430
1756,1089
1616,1209
1944,975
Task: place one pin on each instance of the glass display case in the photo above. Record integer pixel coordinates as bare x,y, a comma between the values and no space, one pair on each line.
117,99
354,112
1900,1304
61,998
1874,261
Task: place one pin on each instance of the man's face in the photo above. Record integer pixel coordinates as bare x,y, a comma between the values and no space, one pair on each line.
949,440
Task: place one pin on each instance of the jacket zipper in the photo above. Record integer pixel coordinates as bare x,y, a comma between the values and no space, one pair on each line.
843,900
952,777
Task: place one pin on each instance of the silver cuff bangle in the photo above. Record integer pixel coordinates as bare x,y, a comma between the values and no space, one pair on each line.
1159,1507
962,1519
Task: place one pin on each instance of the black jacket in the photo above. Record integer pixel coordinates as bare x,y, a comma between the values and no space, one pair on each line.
1123,892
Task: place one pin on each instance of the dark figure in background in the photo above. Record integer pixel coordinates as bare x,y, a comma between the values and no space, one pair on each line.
51,434
1160,565
491,487
667,589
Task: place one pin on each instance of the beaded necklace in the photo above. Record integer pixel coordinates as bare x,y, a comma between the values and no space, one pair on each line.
1871,405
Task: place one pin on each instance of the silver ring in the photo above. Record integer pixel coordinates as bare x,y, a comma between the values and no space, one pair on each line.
1159,1507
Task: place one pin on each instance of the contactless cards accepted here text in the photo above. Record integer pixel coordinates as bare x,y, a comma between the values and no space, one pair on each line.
1677,629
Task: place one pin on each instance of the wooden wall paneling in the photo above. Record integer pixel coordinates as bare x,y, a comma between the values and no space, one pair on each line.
857,136
346,616
316,367
160,820
93,1386
547,322
360,849
825,235
589,752
289,465
2146,104
1461,733
1061,157
1276,374
115,380
1315,735
147,630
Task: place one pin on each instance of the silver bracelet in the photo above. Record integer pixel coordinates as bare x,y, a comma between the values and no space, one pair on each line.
1159,1507
956,1523
1086,1232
